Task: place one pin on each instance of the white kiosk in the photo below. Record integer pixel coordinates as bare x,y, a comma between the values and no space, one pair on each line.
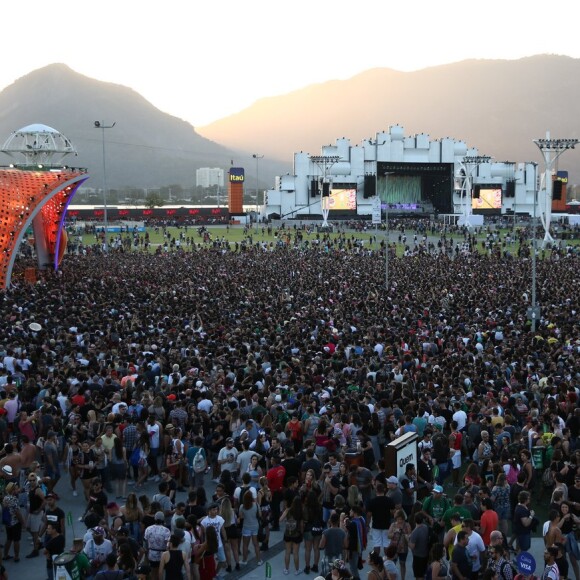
399,453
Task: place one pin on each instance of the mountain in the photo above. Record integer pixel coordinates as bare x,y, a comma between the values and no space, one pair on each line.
498,106
146,148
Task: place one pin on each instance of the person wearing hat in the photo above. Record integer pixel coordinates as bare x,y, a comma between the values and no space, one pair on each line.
435,507
97,548
394,490
81,560
7,472
155,539
14,525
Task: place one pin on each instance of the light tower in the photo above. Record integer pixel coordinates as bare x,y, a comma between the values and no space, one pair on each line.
324,163
470,164
551,150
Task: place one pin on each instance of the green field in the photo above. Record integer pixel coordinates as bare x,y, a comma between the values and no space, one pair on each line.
235,234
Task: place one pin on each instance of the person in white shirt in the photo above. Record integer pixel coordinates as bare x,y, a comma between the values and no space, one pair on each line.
155,539
154,429
244,458
212,519
460,416
227,457
9,361
97,547
475,545
205,405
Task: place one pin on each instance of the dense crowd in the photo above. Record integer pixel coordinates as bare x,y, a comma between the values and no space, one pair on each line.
277,377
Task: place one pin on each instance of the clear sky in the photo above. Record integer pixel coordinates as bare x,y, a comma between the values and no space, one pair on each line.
204,60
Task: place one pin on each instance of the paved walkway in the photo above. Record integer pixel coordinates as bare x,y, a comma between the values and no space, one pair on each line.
275,556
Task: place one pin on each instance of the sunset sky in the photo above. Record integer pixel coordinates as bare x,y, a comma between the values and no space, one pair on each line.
204,60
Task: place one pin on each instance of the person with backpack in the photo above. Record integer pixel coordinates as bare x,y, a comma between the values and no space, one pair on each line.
434,507
293,534
498,563
196,458
240,491
439,567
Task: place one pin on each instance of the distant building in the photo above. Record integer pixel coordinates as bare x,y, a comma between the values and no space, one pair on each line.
208,176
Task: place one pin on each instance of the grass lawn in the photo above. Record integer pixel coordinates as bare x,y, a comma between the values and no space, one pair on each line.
236,234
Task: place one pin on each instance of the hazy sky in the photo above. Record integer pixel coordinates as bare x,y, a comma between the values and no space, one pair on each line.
203,60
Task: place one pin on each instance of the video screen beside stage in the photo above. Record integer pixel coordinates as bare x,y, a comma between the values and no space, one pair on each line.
342,199
486,199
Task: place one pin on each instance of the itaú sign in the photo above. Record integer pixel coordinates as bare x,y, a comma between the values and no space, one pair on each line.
400,452
237,174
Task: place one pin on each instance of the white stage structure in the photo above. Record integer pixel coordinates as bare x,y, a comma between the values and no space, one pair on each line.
295,197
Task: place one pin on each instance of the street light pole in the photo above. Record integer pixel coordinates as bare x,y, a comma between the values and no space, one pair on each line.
387,247
387,173
257,158
101,125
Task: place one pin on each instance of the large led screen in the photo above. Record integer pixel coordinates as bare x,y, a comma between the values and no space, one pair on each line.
489,198
342,199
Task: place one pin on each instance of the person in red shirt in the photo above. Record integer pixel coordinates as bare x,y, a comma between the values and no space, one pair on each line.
488,522
455,440
275,477
294,427
78,399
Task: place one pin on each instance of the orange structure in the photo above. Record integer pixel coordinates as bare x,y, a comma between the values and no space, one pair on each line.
236,190
36,198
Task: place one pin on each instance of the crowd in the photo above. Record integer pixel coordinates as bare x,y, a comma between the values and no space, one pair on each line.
277,377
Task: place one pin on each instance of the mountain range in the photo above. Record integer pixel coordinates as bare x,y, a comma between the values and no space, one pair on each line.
146,148
498,106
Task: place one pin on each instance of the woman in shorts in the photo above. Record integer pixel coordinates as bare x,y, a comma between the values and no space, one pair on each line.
293,533
250,516
233,532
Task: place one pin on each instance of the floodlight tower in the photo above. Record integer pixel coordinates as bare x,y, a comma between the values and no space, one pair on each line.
324,163
470,164
551,150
